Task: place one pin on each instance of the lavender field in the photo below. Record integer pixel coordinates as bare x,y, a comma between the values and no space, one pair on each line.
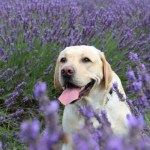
33,32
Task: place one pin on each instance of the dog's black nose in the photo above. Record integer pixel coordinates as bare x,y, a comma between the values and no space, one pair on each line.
67,71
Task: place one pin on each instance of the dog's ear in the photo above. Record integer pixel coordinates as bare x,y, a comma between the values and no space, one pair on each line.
56,76
107,71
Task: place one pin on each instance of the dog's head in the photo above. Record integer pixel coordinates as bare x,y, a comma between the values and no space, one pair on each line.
79,69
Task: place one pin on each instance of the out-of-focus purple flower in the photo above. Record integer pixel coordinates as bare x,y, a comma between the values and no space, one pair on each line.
1,91
83,140
52,134
104,120
137,85
6,74
115,143
2,53
135,122
1,146
29,131
53,106
51,114
25,99
3,39
130,74
86,111
39,89
133,56
115,85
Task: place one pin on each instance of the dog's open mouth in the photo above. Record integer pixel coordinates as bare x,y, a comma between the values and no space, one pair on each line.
73,93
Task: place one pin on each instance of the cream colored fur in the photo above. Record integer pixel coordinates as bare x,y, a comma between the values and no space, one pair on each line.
99,70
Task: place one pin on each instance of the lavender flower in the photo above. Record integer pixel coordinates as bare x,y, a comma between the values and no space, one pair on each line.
115,143
30,130
2,53
138,86
115,89
88,112
29,133
133,56
1,146
11,98
39,89
83,140
130,74
105,140
48,70
52,134
115,85
1,91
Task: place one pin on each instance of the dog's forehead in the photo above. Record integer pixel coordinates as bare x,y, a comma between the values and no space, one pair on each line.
77,51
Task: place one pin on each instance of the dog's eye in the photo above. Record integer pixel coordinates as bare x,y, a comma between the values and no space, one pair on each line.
63,60
86,59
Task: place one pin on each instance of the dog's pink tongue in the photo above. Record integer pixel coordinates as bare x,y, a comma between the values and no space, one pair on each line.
69,95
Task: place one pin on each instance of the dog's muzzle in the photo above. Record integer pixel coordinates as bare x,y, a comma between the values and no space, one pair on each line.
73,92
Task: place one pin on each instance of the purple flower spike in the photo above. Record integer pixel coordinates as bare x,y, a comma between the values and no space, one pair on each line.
130,74
115,143
133,57
1,146
54,106
39,89
135,122
115,85
29,131
86,111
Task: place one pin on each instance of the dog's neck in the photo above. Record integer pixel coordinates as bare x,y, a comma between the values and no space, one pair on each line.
96,97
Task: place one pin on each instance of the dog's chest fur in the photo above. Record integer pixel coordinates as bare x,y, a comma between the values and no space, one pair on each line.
73,120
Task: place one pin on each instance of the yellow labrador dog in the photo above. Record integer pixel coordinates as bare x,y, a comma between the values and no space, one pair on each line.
87,78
